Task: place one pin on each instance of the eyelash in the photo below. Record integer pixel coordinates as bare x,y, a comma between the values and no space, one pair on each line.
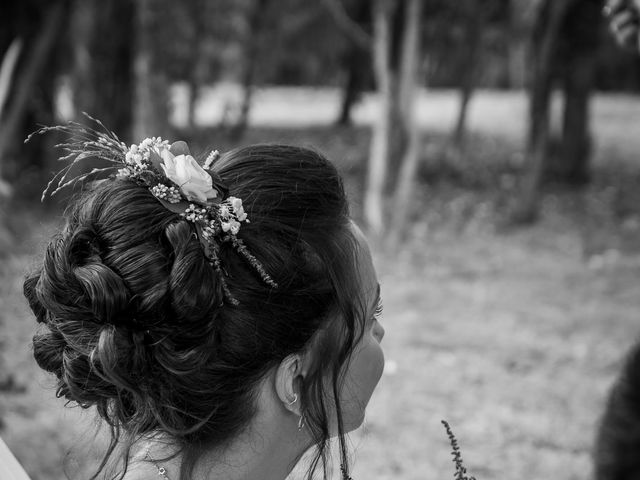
379,309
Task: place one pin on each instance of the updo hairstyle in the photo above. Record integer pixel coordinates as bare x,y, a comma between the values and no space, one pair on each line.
134,320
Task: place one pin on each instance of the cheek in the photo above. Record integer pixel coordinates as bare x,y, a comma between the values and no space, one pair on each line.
374,361
362,378
370,363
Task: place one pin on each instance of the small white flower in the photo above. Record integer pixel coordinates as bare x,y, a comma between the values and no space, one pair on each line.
235,202
140,154
234,227
238,209
123,172
170,194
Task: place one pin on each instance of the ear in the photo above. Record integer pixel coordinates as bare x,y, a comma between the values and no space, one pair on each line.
287,382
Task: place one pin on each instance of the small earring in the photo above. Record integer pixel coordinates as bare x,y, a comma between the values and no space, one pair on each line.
301,422
295,399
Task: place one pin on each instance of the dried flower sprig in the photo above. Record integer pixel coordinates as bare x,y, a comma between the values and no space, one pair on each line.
84,143
172,175
461,470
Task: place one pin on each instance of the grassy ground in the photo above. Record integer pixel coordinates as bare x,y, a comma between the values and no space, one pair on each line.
514,336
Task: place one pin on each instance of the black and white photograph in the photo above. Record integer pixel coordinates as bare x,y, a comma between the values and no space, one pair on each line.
315,240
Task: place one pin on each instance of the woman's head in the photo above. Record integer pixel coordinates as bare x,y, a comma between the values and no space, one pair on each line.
135,320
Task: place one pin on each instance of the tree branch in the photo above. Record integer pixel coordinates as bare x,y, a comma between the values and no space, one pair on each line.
345,23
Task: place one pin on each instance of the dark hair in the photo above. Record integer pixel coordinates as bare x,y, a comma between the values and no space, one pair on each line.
617,442
134,319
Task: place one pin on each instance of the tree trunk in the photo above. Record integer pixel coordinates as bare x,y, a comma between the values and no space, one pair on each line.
400,98
252,44
150,112
103,80
356,60
544,43
7,69
82,26
357,64
379,147
409,81
470,60
580,37
575,132
398,131
351,92
194,80
27,78
517,45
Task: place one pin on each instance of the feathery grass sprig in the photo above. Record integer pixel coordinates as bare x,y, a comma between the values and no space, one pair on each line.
83,143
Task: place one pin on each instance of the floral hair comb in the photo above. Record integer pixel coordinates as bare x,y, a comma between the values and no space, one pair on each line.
172,175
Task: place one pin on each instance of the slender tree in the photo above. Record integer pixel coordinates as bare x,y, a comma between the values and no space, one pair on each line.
379,147
410,83
580,36
564,37
252,46
196,10
356,61
544,40
30,97
473,16
150,107
102,71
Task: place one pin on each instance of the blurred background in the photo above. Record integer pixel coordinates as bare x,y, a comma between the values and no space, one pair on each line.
490,148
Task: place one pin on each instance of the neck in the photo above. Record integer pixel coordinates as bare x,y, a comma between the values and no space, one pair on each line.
267,450
261,455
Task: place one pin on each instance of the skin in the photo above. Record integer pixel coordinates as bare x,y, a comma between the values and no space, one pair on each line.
273,443
367,361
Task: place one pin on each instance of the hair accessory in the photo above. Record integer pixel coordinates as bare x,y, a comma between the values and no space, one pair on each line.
172,175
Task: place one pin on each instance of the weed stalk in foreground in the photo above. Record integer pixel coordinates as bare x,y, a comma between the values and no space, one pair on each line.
461,471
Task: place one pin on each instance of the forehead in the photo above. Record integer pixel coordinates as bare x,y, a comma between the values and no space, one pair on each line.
364,263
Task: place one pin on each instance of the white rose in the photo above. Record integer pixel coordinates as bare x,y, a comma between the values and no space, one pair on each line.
194,182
